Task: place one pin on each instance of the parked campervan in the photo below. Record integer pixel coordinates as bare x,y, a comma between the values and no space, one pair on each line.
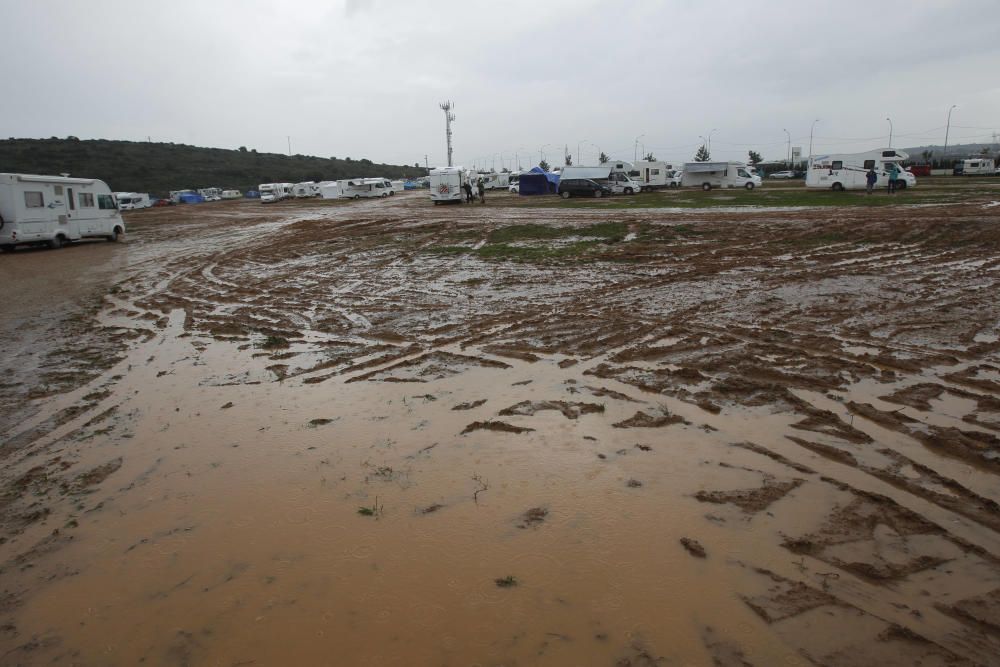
272,192
211,194
446,184
55,210
305,189
708,175
356,188
330,189
128,201
651,175
979,167
614,175
848,171
231,194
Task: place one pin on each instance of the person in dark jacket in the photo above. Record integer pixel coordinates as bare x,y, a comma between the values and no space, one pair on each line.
468,192
482,192
871,177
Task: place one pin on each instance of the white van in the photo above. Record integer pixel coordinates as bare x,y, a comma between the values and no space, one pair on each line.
708,175
849,171
272,192
56,210
128,201
305,189
612,174
211,194
651,175
446,184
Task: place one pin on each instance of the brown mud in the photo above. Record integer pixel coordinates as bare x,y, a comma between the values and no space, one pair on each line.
391,433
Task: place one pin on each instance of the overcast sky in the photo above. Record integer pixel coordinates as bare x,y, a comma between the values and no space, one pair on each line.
363,78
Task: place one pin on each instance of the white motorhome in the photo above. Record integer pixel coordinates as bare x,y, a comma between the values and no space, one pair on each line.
493,180
211,194
128,201
272,192
979,167
708,175
305,189
613,174
397,186
231,194
56,210
651,175
446,184
357,188
330,189
849,171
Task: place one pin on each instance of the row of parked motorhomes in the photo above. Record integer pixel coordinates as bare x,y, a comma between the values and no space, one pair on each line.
349,188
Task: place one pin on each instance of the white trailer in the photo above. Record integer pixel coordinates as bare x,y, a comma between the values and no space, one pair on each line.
305,189
128,201
651,175
330,190
493,180
231,194
849,171
55,210
979,167
708,175
614,175
446,184
211,194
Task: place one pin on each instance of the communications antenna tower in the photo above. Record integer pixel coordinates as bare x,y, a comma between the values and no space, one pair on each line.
448,117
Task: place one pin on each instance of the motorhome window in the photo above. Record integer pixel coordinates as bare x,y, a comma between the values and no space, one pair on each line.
86,200
888,153
58,190
837,164
869,164
34,200
106,202
742,173
656,172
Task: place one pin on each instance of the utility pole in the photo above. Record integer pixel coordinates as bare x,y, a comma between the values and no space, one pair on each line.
944,153
426,165
811,128
448,117
890,131
289,146
789,147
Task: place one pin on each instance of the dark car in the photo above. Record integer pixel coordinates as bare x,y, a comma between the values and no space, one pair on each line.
582,187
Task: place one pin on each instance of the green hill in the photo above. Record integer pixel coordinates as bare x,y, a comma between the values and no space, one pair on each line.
157,168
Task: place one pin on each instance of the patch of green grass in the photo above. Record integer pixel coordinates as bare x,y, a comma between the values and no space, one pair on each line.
534,253
448,249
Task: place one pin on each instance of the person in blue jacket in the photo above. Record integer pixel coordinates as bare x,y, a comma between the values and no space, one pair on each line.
893,173
871,178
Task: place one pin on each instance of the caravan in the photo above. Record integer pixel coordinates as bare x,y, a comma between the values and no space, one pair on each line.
979,167
356,188
708,175
612,174
330,190
849,171
211,194
128,201
446,184
55,210
231,194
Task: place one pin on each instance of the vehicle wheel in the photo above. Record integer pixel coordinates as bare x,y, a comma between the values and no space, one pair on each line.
6,247
115,236
838,187
749,186
706,186
598,194
357,196
628,191
57,242
900,185
436,202
384,195
564,195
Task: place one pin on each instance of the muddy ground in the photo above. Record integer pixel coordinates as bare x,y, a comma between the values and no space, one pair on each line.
390,433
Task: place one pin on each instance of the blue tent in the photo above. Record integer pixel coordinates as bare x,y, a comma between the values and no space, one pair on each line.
252,194
538,182
191,198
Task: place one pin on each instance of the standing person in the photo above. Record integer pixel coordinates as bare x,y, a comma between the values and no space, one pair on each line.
482,191
871,177
468,192
893,170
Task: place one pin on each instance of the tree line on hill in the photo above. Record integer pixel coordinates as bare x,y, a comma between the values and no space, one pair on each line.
157,168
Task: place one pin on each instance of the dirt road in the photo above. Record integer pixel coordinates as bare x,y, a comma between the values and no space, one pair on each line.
391,433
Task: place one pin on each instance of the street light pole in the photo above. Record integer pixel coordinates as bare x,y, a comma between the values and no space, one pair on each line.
635,150
890,131
811,128
710,141
789,148
946,129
